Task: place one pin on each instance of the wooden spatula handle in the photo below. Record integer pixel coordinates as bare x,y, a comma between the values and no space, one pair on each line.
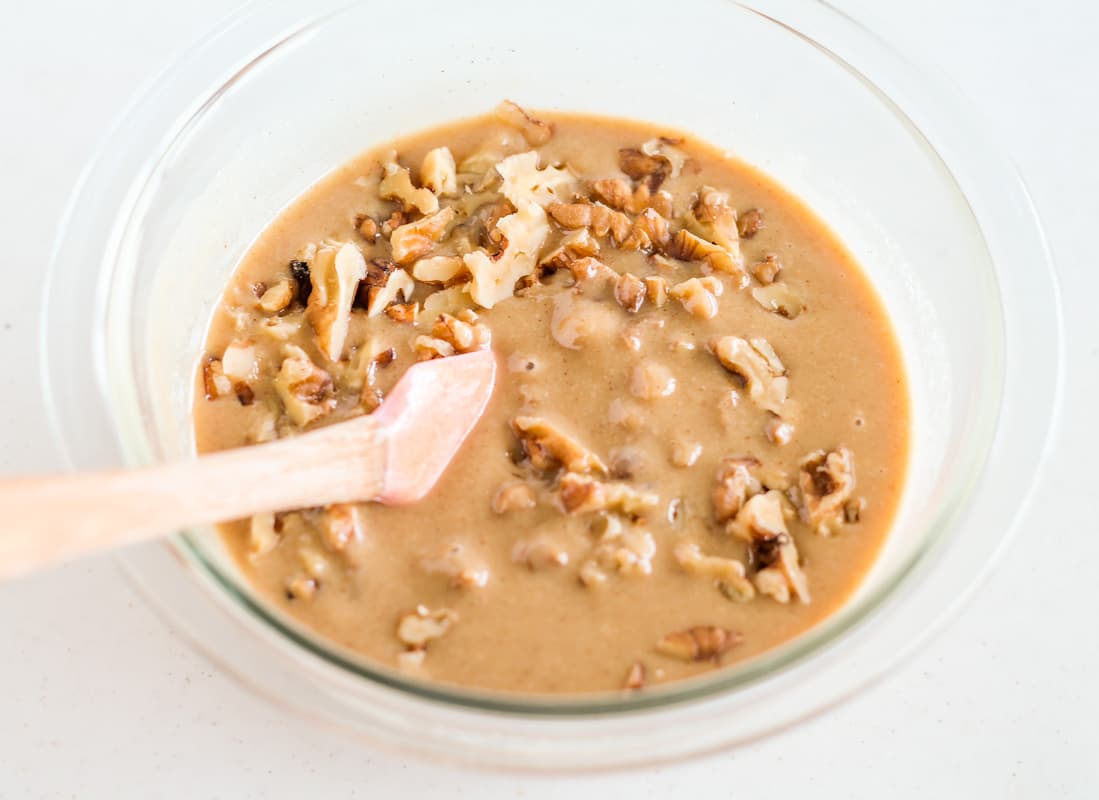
49,519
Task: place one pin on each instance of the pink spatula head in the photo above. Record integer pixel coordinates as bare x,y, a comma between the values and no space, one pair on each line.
425,419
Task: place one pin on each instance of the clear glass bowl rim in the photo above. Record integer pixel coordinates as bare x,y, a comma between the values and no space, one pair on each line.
675,694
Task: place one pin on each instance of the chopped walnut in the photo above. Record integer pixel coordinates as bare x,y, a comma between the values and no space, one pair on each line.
214,381
666,147
335,274
685,454
696,298
368,228
656,288
514,496
777,431
535,131
396,184
762,523
548,448
301,587
525,183
714,220
686,246
826,480
780,299
635,678
755,363
574,245
415,240
750,223
617,193
651,380
439,173
304,388
313,561
429,347
342,526
600,219
404,313
238,362
629,291
262,535
540,552
398,283
733,485
579,494
648,232
438,269
494,277
728,574
464,570
278,297
700,643
464,336
624,548
852,510
422,626
767,269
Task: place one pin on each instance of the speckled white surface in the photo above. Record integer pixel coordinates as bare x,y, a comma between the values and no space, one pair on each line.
101,699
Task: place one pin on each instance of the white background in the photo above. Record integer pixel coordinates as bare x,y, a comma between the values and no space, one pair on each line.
100,699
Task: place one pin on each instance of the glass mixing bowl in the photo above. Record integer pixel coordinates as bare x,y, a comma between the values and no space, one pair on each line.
282,93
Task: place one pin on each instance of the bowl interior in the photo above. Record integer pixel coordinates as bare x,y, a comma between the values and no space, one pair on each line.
743,81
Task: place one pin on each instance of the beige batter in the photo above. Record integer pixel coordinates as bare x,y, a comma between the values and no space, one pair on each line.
653,492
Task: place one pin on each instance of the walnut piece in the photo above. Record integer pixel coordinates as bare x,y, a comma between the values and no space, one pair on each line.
629,291
686,246
777,431
762,523
767,269
415,240
635,677
733,485
215,383
535,131
698,296
758,367
525,183
464,570
574,245
396,184
494,277
700,643
342,526
438,269
422,626
750,223
600,219
514,496
728,574
262,535
278,297
439,173
304,388
429,347
463,333
685,454
656,288
403,313
540,552
826,480
548,448
651,380
778,298
622,548
581,494
335,274
398,283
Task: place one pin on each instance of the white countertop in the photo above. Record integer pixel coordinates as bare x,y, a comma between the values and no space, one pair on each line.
102,699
